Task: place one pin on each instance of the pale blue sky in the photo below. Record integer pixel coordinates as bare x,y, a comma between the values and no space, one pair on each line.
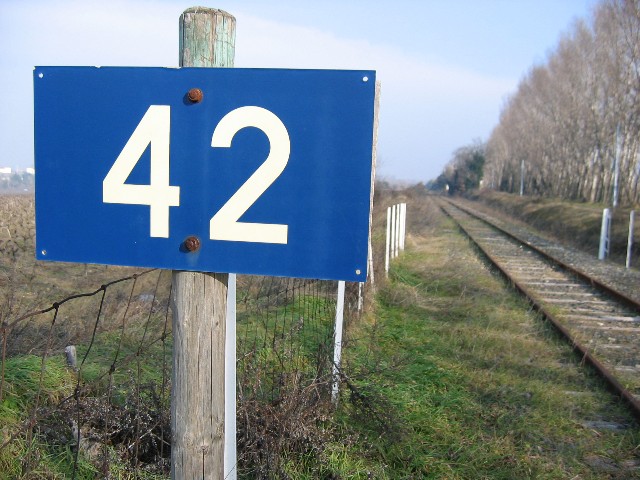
446,66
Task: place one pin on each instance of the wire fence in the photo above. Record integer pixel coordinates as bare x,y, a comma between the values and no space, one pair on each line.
105,411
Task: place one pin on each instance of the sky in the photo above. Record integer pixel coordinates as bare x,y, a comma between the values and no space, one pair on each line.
446,67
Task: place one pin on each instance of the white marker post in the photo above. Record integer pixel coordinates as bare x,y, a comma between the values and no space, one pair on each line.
230,453
398,227
403,224
387,249
630,239
603,251
393,231
337,343
394,240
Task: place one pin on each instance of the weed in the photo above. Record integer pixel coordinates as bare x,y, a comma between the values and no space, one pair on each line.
488,391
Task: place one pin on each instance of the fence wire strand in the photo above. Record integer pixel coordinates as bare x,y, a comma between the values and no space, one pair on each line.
108,414
115,414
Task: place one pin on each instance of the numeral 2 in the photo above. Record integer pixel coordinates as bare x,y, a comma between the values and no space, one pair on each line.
225,225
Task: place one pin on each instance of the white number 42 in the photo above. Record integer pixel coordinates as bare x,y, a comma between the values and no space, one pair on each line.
154,129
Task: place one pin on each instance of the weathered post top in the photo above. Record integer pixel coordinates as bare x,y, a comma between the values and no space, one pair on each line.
199,300
207,38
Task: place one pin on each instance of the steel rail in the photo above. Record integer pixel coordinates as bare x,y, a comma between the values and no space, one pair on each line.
612,382
628,301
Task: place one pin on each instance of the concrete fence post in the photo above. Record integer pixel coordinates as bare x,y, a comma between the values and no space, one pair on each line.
403,224
387,255
632,222
393,231
605,230
70,353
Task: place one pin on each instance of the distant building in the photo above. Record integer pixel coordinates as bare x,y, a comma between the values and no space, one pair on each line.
30,171
5,170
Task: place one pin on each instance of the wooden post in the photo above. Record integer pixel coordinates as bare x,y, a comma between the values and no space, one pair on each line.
199,300
374,161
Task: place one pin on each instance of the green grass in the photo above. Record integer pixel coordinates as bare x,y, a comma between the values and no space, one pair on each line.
281,322
20,394
283,339
140,357
450,377
54,464
574,223
459,380
23,381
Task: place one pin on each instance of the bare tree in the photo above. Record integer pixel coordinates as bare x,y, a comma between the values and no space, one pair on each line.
572,118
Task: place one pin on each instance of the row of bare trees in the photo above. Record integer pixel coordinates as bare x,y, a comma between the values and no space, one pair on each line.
572,128
463,172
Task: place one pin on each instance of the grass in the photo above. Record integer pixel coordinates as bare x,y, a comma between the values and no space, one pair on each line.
48,452
451,376
460,380
577,224
22,382
32,457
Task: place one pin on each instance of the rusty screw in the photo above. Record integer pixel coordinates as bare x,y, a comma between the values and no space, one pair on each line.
192,244
195,95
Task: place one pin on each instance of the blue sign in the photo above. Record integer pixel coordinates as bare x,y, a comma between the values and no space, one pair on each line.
252,171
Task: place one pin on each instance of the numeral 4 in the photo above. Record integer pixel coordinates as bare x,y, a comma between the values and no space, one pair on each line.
154,129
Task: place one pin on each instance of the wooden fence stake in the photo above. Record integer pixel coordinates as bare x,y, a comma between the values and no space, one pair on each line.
199,300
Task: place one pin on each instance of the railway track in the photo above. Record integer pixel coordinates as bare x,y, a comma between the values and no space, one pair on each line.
601,323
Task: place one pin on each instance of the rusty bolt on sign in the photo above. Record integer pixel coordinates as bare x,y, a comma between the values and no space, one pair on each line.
192,243
195,95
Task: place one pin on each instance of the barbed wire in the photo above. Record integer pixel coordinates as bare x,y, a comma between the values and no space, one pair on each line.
115,412
110,411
